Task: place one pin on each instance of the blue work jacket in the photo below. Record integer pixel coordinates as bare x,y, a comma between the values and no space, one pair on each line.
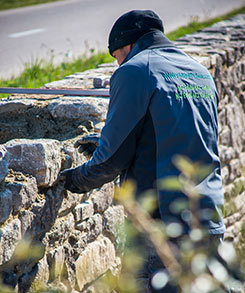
163,103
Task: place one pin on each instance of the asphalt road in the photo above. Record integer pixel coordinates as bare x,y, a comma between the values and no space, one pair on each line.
68,28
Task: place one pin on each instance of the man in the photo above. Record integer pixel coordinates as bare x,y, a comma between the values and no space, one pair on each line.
163,103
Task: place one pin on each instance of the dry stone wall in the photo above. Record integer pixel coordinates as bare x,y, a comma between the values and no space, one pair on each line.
77,234
221,48
77,240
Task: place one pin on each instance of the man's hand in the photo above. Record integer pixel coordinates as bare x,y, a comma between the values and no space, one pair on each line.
66,177
88,144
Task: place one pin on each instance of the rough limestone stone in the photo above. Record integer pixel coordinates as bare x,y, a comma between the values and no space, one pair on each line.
226,154
15,105
225,136
225,174
4,159
56,259
5,204
114,224
42,275
40,158
101,81
34,222
98,257
60,231
235,169
26,218
9,237
242,160
236,122
24,193
83,211
74,108
78,241
102,197
70,201
93,227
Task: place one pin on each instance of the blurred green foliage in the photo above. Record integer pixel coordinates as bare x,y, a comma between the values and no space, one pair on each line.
10,4
193,267
199,270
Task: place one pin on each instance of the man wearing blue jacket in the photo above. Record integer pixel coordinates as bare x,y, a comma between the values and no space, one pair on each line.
163,103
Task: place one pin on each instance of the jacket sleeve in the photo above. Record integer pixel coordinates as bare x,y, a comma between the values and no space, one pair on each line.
129,99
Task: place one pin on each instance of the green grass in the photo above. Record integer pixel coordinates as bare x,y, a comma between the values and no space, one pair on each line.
40,72
10,4
194,26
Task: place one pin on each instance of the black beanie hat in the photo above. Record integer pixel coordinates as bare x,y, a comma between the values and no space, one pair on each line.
131,26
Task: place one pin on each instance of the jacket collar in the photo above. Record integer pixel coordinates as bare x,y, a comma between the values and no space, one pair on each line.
151,40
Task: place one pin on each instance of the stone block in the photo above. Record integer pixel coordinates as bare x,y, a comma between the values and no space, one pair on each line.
40,158
235,188
102,197
225,136
60,231
66,83
4,160
236,123
235,169
243,70
101,81
70,201
231,56
242,160
34,222
204,60
56,260
225,174
222,115
232,219
98,257
82,226
16,105
79,108
218,70
239,185
113,220
92,227
10,235
78,241
226,154
42,275
24,193
229,191
5,204
83,211
26,218
239,202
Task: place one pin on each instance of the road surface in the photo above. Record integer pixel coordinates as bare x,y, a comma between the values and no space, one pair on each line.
68,28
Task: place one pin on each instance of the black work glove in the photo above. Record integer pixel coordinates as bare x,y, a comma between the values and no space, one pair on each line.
66,177
88,144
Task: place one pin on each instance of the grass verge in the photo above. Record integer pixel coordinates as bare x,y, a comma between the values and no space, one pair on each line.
195,25
10,4
41,71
